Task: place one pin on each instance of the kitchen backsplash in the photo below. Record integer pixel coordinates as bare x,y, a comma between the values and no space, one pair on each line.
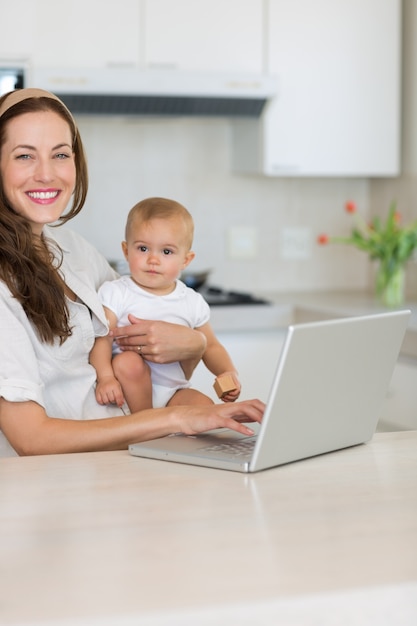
190,160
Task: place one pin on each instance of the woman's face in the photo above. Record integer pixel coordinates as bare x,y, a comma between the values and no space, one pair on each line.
37,167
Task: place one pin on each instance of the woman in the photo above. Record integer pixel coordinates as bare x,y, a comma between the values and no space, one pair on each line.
49,310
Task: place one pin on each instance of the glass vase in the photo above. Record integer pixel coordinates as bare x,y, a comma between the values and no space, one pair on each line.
390,285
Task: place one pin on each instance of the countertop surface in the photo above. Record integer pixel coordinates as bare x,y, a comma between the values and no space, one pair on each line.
106,538
296,307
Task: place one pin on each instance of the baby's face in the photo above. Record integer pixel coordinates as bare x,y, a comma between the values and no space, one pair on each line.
157,251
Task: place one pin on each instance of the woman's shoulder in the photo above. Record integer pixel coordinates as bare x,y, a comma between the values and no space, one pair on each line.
68,240
80,253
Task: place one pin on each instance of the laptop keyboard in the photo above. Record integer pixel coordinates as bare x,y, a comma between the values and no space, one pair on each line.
235,448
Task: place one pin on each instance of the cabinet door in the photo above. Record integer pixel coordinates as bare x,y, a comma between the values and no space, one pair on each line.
17,33
337,112
85,33
218,35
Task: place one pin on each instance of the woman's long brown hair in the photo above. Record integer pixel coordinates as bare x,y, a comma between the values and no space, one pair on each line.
27,265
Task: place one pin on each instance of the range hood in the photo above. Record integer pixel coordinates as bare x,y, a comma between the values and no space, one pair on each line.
157,92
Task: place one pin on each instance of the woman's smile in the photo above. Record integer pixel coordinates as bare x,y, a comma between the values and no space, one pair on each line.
43,197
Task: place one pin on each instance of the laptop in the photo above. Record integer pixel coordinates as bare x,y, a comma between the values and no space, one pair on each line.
329,386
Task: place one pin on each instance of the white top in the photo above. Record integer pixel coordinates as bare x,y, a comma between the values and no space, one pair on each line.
182,306
58,377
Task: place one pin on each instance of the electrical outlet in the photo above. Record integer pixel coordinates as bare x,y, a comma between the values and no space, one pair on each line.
296,243
243,242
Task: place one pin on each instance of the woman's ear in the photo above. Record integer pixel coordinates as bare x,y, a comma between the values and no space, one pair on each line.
188,258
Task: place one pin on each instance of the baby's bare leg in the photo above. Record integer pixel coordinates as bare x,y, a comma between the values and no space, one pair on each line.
188,397
134,375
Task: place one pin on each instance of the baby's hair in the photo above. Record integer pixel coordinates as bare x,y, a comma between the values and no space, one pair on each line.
160,208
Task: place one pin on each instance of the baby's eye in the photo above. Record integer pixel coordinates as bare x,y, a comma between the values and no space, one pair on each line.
166,251
143,248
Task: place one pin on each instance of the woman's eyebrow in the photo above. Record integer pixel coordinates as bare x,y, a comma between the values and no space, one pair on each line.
62,145
24,146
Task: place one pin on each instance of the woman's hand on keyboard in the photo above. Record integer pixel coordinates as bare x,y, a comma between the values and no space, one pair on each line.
197,419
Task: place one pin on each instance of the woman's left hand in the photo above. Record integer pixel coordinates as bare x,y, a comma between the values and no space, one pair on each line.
160,342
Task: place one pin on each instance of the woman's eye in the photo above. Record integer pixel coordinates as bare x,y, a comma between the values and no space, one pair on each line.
23,157
62,155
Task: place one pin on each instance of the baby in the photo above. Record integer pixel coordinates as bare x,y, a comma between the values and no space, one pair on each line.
159,235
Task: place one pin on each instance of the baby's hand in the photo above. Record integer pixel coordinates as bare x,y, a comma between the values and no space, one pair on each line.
231,396
109,391
227,386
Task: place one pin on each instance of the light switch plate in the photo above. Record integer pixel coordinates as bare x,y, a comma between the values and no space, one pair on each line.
295,243
243,242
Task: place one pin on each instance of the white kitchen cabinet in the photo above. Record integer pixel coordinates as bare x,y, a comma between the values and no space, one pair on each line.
399,411
17,34
255,354
337,112
206,35
83,33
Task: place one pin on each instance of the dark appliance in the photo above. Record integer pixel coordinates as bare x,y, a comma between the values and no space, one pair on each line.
215,296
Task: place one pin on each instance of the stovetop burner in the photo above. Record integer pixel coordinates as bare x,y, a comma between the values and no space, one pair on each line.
216,296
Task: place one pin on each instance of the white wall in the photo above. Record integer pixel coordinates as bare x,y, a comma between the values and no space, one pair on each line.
189,160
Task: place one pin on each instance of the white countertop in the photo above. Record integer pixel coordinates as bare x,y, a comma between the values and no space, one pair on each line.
106,538
295,307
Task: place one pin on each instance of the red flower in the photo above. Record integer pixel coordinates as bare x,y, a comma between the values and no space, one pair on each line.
350,207
323,239
397,217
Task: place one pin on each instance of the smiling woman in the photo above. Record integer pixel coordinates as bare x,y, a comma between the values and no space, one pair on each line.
49,309
38,169
35,131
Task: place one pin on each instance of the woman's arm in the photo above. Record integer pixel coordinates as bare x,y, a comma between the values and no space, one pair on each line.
30,431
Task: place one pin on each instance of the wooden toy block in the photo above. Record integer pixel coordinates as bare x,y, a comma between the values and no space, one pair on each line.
223,384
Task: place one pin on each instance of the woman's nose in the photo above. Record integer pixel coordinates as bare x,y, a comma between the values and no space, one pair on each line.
44,170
